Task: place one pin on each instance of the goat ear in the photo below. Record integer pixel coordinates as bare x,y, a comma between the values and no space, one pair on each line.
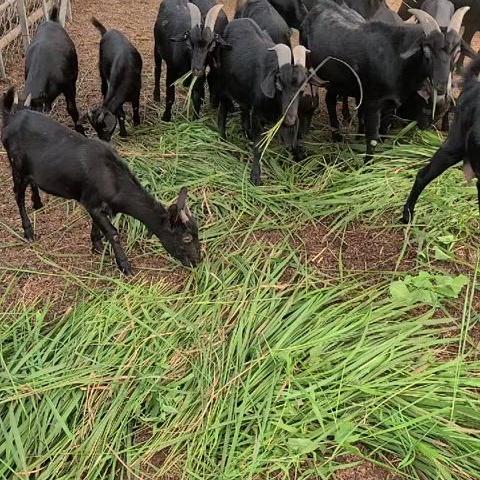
179,38
317,82
268,84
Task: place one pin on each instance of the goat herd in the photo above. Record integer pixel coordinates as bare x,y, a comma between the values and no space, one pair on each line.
393,64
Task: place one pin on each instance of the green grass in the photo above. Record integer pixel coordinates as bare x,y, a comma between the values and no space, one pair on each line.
259,365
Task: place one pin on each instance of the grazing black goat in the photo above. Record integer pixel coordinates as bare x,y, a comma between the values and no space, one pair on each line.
120,67
419,106
51,69
292,11
366,8
266,17
462,144
391,61
45,155
471,23
184,44
259,75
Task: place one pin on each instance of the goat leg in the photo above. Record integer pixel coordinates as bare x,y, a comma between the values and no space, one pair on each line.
222,117
112,236
347,118
72,109
372,125
121,121
170,97
256,173
443,159
331,101
158,74
19,186
97,238
36,200
135,109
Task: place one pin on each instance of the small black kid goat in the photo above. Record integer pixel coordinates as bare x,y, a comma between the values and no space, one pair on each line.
121,74
462,144
45,155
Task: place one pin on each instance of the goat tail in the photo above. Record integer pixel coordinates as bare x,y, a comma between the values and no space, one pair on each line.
10,101
472,72
98,26
54,14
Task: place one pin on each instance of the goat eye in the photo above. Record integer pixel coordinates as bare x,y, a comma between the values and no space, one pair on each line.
187,238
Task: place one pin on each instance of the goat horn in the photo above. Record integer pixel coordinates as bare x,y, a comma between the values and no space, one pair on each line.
284,54
300,55
211,17
182,198
28,101
195,15
428,23
457,19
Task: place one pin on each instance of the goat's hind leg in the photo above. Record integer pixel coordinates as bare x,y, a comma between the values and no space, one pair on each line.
121,121
36,200
20,184
70,94
97,238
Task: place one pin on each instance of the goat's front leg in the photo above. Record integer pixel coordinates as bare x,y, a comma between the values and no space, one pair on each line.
36,200
256,173
170,95
222,117
372,125
136,109
121,121
97,238
111,234
331,101
19,186
443,159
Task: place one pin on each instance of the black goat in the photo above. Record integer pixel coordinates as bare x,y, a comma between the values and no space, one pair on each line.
260,77
471,23
419,106
51,68
266,17
120,67
292,11
462,144
44,154
184,44
391,61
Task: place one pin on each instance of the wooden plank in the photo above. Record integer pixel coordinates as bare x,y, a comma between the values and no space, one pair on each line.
62,14
23,23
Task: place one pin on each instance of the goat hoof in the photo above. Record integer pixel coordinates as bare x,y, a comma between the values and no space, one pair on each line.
126,269
156,97
28,234
256,180
37,205
407,217
80,129
166,117
97,248
123,134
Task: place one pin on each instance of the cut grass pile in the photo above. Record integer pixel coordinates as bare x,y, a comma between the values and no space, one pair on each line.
260,366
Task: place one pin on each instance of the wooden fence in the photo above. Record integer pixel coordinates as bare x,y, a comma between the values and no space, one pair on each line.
22,24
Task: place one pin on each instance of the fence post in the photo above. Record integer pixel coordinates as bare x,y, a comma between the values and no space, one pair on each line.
23,23
3,74
45,10
63,12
